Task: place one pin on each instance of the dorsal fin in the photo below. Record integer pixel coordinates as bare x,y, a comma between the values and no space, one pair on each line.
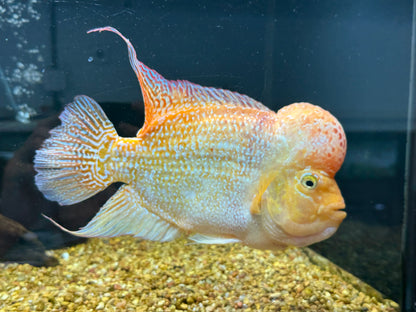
161,95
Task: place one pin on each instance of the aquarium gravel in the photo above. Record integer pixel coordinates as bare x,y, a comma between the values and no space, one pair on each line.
125,274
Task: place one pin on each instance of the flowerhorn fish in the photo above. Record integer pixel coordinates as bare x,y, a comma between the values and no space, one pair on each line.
209,163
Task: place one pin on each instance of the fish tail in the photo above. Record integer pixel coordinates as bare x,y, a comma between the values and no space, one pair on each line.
72,165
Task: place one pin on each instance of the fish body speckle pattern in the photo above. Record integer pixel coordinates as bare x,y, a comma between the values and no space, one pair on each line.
209,163
208,170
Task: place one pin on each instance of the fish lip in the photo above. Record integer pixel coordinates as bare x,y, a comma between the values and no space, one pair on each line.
338,215
332,208
335,211
336,206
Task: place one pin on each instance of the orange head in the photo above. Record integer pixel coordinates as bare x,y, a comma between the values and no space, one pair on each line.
302,204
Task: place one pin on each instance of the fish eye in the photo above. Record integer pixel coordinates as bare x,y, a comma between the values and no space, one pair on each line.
309,181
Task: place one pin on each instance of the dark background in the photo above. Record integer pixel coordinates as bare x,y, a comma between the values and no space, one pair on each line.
350,57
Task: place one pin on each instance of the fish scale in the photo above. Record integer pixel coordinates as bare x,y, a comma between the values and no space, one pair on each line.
209,163
225,169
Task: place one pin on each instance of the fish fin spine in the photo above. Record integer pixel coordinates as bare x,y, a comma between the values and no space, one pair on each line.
72,163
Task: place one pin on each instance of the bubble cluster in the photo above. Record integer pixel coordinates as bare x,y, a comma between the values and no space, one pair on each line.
23,61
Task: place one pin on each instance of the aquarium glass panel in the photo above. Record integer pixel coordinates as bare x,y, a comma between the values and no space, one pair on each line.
152,157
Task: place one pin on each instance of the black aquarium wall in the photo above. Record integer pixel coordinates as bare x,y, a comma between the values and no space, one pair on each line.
350,57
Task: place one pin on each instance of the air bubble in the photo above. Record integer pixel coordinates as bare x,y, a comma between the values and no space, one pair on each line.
90,59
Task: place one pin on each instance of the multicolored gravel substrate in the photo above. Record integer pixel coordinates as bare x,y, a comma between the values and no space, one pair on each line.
125,274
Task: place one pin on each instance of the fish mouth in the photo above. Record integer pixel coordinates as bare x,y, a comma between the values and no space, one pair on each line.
334,211
338,215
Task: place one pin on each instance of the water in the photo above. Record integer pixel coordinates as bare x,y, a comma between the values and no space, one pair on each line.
352,59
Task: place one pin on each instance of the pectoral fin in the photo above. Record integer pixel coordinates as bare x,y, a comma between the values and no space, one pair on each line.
255,204
255,207
125,214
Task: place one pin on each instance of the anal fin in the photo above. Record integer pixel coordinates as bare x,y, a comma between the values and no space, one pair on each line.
125,214
207,239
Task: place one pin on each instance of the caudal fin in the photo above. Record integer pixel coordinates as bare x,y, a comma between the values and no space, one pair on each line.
71,164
